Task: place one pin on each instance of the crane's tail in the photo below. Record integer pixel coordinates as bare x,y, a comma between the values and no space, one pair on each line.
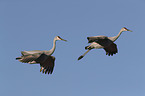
83,54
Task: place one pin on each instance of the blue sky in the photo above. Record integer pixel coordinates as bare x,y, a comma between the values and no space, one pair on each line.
32,25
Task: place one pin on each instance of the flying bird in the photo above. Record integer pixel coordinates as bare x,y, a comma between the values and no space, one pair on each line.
43,58
107,43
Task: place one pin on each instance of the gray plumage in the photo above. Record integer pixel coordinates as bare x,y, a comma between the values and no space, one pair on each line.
43,58
107,43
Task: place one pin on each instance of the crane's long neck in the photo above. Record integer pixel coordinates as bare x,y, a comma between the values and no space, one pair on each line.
116,37
53,48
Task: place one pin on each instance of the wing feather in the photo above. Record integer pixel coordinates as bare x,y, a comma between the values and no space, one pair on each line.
46,62
28,58
95,38
111,49
30,52
107,44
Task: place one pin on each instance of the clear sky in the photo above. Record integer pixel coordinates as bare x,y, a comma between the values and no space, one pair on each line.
32,25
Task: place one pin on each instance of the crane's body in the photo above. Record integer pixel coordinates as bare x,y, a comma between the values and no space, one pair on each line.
43,57
107,43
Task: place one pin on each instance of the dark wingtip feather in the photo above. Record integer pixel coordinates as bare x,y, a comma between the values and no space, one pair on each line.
48,71
51,70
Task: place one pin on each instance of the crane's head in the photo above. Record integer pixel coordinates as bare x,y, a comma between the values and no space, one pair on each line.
125,29
59,38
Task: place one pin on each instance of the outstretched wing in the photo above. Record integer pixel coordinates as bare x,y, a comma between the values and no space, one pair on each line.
46,63
28,58
107,44
111,49
30,52
95,38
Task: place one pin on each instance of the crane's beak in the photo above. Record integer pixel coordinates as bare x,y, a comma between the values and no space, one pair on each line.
129,30
63,39
59,38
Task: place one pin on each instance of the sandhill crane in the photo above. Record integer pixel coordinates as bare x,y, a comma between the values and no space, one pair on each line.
107,43
43,57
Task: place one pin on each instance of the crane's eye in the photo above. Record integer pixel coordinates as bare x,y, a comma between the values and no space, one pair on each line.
58,37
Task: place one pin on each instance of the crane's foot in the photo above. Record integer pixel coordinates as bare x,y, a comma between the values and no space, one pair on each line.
44,70
80,57
41,69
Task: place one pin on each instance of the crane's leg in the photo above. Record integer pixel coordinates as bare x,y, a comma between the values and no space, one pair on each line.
83,54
